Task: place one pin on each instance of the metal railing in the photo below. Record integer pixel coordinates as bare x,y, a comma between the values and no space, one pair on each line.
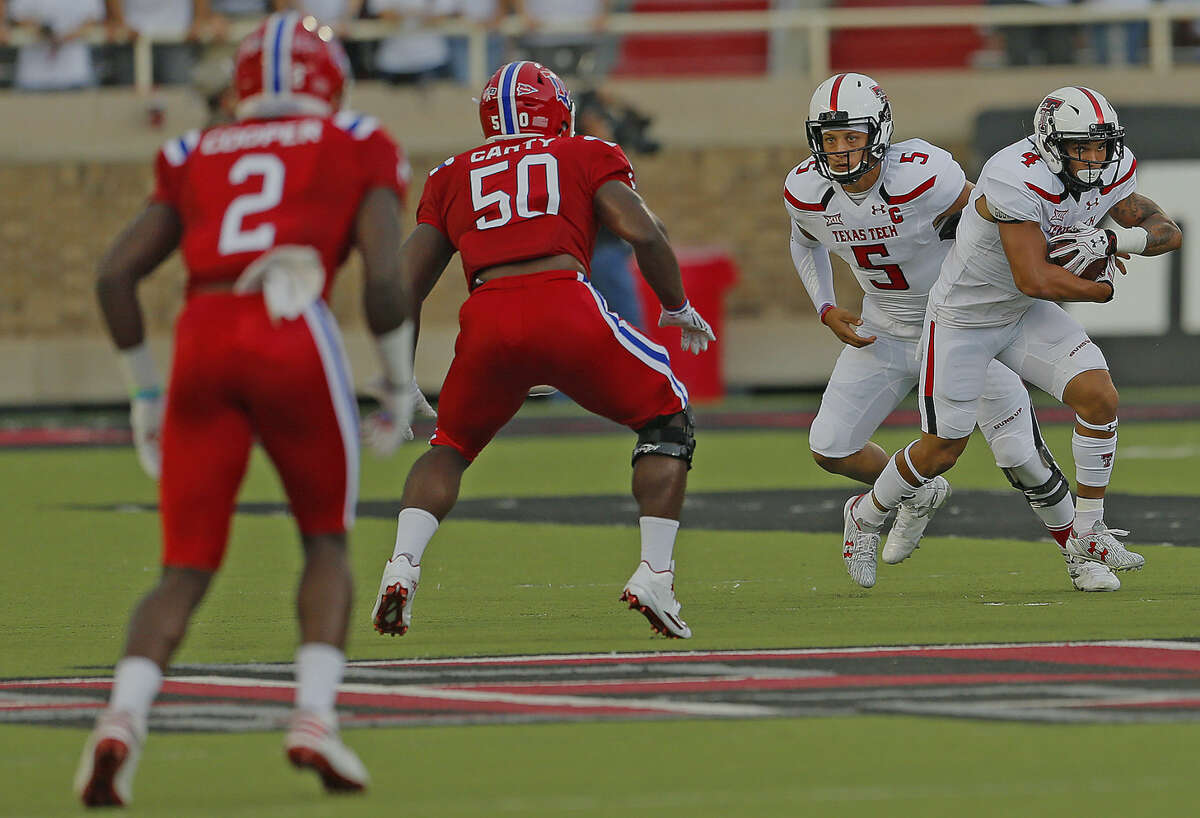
816,26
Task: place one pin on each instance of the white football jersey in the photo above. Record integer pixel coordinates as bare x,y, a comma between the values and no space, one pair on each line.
888,239
976,288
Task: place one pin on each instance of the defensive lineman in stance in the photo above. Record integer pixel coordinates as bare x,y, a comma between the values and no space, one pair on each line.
889,211
522,211
1073,179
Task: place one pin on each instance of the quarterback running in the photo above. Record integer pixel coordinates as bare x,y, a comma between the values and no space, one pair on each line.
889,211
1073,183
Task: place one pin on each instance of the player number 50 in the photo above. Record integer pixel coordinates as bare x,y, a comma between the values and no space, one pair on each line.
501,201
233,238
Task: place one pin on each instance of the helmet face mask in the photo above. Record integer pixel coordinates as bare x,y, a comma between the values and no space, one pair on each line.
1066,121
849,102
526,99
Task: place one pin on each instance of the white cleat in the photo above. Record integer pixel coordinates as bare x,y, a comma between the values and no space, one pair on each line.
652,593
912,517
104,777
859,546
1100,545
1091,576
313,743
392,613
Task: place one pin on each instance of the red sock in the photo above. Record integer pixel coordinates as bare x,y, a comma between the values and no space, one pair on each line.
1060,536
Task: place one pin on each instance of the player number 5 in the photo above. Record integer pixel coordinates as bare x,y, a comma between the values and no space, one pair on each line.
233,238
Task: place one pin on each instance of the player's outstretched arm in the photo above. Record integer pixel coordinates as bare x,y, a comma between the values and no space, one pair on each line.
1136,215
1026,248
140,248
623,211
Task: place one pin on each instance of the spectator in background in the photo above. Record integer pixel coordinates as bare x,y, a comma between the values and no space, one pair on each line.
338,14
611,273
60,59
212,79
416,55
212,17
155,18
1120,42
571,53
1038,45
485,13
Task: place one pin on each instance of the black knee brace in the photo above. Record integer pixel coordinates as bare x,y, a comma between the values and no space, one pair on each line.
1056,486
660,437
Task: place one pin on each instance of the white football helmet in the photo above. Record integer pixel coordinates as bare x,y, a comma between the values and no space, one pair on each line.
845,102
1078,114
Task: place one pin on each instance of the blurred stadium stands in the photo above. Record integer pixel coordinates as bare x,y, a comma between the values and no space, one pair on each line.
726,83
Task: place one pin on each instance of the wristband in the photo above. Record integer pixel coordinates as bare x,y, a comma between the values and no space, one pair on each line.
396,355
676,310
141,375
1130,239
826,307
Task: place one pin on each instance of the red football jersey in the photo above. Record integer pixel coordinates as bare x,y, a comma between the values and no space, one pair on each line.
515,199
243,189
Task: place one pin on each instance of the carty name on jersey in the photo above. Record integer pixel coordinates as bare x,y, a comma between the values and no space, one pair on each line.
496,151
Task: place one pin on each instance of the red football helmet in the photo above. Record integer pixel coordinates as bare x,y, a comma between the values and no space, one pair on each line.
526,98
289,64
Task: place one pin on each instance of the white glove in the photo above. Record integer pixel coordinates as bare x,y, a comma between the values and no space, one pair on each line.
695,333
1088,243
391,424
146,418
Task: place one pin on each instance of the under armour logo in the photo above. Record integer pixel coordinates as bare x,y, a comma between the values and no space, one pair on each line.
1093,203
878,210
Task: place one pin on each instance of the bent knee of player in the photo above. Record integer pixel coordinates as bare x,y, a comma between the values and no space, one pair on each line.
1093,396
935,455
829,464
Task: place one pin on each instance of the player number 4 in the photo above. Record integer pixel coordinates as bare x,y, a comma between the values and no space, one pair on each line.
233,238
529,203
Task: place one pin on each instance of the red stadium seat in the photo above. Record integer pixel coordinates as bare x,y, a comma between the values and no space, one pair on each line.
867,49
714,53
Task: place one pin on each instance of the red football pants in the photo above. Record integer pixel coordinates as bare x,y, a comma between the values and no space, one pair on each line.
236,377
548,328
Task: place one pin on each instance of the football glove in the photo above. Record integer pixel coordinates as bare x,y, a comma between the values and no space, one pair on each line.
391,424
695,333
146,418
1088,243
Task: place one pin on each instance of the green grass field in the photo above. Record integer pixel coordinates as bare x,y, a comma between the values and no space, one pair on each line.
71,578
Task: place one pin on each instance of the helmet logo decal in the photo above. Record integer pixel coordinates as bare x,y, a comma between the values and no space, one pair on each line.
524,88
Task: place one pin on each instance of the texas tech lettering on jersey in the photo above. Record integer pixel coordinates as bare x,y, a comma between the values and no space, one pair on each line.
977,287
521,198
888,239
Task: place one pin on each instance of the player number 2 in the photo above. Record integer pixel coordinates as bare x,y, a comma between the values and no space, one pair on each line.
529,202
896,279
233,238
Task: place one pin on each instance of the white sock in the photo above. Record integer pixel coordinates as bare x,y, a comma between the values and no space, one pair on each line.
319,669
415,527
1087,511
889,490
136,681
658,541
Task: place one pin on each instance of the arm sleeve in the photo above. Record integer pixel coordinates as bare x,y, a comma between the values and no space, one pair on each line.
814,268
1009,199
430,210
385,164
166,182
951,180
609,162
